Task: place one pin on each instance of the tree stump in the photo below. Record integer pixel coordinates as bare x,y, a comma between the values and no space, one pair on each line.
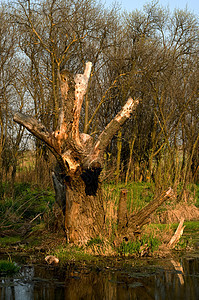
129,225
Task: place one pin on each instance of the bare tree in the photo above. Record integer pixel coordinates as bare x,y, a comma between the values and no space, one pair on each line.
80,161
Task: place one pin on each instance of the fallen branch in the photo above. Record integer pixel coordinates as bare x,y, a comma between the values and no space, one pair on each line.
178,233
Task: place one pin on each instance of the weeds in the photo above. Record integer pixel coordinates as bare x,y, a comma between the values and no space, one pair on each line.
95,241
9,240
140,193
183,243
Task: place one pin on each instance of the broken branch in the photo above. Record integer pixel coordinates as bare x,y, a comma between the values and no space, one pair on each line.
143,214
81,84
40,131
95,157
178,233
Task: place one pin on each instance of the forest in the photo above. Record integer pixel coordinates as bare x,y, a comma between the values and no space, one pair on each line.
149,54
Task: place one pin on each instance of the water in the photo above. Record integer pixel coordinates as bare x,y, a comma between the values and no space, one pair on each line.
161,280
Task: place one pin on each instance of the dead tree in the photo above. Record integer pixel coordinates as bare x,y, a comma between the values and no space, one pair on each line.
79,158
129,225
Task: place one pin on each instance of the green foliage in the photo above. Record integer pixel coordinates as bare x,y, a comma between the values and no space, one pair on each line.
183,243
143,247
21,188
191,225
194,188
27,203
8,267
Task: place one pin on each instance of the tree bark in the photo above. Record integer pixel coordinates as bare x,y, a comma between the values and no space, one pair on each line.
79,159
81,200
122,211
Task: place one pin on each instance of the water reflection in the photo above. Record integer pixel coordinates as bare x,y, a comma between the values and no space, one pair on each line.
179,280
18,288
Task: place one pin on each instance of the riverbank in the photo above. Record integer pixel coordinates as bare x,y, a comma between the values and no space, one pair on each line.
164,274
40,243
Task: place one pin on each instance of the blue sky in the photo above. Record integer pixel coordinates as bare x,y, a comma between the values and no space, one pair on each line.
129,5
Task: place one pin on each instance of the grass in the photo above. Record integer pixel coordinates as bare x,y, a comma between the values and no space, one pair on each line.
144,246
195,190
30,201
27,203
192,226
70,253
188,239
139,194
8,268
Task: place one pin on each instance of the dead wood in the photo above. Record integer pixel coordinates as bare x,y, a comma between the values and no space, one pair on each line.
122,211
178,233
79,159
72,149
135,222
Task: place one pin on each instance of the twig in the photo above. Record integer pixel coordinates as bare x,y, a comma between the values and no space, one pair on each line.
36,217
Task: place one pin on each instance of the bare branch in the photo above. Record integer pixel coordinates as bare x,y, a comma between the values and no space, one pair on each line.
81,84
40,131
36,128
104,98
107,134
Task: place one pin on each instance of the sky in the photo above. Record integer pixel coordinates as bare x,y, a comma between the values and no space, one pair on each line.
129,5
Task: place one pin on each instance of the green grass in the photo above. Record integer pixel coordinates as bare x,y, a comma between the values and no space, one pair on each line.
8,267
191,225
29,201
95,241
72,253
196,186
139,194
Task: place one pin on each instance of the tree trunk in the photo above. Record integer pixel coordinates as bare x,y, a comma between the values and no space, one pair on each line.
79,159
81,200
